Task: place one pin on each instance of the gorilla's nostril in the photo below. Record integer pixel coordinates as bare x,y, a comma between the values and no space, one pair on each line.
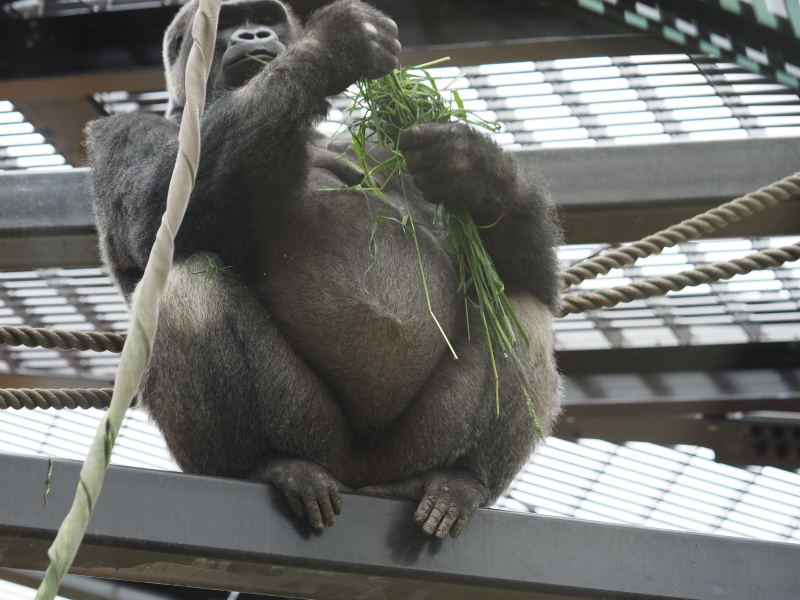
263,34
246,35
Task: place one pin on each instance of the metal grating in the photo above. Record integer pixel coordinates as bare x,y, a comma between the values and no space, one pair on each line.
599,100
21,147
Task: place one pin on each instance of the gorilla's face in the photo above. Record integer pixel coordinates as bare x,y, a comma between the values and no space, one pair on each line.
249,34
247,28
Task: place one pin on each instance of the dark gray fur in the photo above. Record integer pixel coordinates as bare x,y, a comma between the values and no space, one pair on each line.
304,361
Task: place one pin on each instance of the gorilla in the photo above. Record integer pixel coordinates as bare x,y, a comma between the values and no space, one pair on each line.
286,351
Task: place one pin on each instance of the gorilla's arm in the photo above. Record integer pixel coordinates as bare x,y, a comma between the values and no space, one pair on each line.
254,138
460,167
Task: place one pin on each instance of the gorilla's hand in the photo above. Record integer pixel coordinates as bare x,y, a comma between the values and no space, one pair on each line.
448,499
309,488
463,168
352,40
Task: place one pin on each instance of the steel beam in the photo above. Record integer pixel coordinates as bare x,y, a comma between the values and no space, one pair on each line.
226,534
609,194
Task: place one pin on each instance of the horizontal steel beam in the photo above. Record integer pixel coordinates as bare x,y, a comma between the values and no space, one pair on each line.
609,194
226,534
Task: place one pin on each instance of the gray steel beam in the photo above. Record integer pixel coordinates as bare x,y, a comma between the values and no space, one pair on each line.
609,194
226,534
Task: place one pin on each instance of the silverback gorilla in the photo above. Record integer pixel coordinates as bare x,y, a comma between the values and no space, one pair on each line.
285,352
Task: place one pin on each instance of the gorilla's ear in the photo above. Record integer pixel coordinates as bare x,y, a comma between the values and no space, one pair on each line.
175,53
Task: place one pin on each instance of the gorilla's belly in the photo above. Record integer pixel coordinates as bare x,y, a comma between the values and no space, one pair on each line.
347,293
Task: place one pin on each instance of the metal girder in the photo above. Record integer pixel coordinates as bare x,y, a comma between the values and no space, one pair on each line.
766,440
706,396
609,194
227,534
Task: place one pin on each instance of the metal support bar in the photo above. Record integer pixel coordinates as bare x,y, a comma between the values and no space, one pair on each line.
226,534
609,194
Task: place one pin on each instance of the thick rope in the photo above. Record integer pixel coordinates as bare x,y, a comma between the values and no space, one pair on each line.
38,398
659,286
63,340
690,229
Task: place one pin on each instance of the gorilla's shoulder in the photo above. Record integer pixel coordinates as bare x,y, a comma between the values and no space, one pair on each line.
139,125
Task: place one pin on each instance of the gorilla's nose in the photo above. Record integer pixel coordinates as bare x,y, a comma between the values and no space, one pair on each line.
250,34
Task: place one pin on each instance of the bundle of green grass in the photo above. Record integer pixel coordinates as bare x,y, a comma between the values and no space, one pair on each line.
398,101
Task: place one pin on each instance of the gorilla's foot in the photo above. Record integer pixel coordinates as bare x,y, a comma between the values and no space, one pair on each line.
308,487
447,499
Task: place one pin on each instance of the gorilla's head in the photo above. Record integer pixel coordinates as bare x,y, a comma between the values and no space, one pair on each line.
260,28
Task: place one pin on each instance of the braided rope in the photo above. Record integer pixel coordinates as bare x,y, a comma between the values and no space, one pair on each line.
690,229
39,398
659,286
63,340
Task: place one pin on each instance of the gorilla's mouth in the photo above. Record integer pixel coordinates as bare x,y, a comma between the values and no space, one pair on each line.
259,57
240,69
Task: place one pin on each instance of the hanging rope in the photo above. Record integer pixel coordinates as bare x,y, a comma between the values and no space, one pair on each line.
144,312
690,229
38,398
659,286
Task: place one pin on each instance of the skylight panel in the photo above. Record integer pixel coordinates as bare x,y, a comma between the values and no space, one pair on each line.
515,78
617,107
580,63
710,124
692,102
543,112
582,143
684,90
531,101
561,134
730,134
556,123
591,73
535,89
594,85
719,112
610,96
626,118
515,67
782,131
666,68
779,109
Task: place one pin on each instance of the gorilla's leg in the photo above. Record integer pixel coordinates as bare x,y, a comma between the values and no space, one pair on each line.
227,391
450,492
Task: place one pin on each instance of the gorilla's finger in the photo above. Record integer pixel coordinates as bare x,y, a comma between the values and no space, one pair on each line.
324,502
296,505
459,526
447,522
413,136
436,515
422,157
314,514
423,510
336,499
427,180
